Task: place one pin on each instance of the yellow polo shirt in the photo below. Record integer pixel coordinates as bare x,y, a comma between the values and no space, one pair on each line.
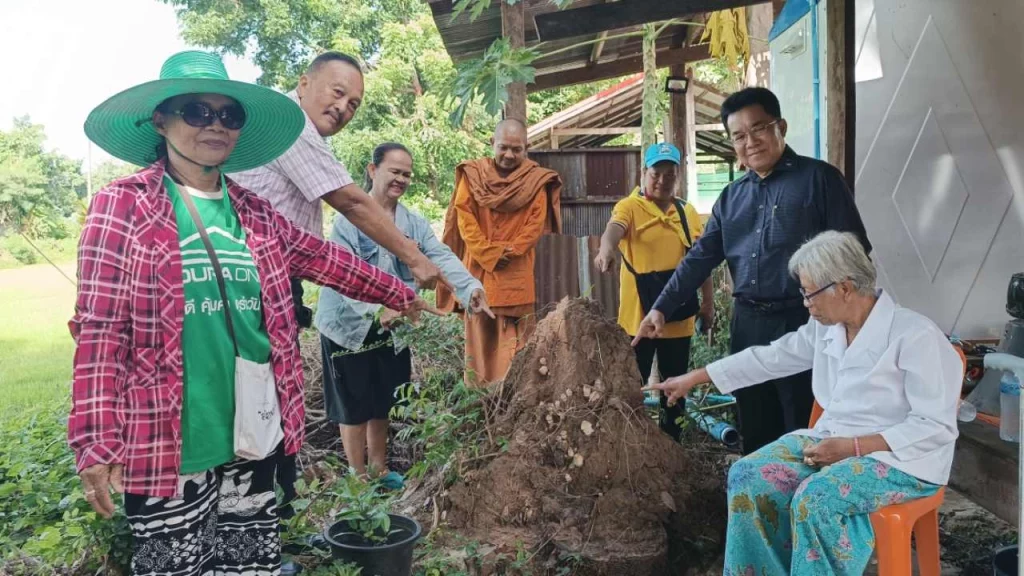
654,241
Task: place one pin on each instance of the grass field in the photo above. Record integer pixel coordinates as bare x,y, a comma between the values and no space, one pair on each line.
36,303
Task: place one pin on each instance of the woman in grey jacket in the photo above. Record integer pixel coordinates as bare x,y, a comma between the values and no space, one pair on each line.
364,364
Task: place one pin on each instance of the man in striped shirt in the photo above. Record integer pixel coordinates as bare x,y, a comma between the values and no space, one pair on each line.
330,93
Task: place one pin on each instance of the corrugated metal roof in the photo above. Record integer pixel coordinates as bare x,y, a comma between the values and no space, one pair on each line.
622,106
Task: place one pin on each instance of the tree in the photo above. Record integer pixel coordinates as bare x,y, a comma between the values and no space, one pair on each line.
652,90
283,35
106,172
38,189
405,102
409,80
22,188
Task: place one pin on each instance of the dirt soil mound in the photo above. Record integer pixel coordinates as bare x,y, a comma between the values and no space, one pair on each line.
586,473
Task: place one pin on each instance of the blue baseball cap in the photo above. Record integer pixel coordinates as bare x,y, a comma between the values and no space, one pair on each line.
661,152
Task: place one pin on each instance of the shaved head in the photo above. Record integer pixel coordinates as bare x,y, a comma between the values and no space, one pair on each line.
509,144
513,124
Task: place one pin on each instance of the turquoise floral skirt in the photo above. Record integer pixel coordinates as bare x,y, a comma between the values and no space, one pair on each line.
788,518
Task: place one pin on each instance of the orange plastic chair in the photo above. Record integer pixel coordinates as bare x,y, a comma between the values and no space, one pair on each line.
894,525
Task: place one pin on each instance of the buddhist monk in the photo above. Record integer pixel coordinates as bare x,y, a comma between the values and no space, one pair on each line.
502,206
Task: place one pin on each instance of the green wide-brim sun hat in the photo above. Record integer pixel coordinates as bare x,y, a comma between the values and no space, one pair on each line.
123,127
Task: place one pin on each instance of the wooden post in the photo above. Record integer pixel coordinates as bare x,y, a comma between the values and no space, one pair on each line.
839,66
513,20
691,140
677,121
554,139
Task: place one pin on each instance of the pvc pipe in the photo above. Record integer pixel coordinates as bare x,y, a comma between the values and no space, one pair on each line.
1015,364
816,78
720,398
721,431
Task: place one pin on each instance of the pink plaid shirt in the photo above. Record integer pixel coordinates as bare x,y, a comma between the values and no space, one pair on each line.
127,391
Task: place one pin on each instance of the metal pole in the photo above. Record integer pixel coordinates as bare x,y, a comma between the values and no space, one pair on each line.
88,173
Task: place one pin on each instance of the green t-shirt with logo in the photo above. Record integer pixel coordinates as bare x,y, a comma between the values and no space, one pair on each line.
208,407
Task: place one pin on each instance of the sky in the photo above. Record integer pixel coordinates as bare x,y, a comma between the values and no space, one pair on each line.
60,58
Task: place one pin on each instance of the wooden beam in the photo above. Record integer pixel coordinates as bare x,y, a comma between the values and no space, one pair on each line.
595,131
839,67
513,25
618,68
595,54
710,127
598,18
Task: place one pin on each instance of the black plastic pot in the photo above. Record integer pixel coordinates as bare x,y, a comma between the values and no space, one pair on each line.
392,558
1015,296
1004,562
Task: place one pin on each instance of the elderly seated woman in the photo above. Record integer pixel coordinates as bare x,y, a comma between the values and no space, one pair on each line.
889,382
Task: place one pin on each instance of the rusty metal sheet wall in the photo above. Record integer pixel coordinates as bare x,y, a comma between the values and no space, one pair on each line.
564,266
570,166
595,179
603,287
592,172
608,174
586,219
555,271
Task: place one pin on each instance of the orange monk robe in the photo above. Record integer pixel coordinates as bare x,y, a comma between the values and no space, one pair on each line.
488,217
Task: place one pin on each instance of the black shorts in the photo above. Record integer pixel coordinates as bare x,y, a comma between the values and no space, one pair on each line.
361,386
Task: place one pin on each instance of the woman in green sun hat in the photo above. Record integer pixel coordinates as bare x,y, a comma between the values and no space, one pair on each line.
187,374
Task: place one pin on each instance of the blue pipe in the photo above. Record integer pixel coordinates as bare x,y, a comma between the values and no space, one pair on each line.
816,78
720,398
721,431
654,401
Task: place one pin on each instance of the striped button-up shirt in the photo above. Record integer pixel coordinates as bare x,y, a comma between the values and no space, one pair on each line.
129,313
295,182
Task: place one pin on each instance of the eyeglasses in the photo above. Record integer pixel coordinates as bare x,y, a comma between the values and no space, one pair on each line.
758,132
808,296
199,114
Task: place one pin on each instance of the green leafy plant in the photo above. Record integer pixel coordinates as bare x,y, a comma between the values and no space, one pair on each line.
488,78
366,507
442,417
46,525
703,351
336,569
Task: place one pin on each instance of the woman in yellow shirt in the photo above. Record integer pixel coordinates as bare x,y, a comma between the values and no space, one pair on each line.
646,228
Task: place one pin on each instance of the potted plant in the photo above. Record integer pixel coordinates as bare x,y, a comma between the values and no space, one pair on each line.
364,533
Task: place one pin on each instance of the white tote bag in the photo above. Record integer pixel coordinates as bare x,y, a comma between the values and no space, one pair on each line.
257,412
257,409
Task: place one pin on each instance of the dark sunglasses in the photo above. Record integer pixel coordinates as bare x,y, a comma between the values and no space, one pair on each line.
200,115
808,296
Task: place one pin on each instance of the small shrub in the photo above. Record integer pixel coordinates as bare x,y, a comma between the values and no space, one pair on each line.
20,250
702,352
365,507
46,525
